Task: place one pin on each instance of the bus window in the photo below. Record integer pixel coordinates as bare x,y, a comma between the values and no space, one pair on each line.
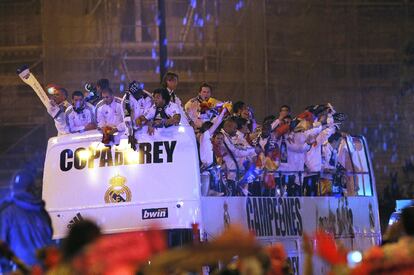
357,167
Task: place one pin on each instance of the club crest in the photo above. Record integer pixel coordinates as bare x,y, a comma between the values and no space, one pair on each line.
118,191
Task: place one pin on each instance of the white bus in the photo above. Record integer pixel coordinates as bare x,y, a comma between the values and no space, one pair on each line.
124,190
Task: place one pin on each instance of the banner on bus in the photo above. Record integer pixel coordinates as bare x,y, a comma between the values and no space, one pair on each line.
271,218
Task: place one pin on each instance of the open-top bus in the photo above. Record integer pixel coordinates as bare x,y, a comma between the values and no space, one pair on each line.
124,190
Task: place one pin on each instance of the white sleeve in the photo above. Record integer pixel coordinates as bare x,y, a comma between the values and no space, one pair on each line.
239,152
178,101
298,146
60,123
149,111
190,109
217,121
173,109
126,120
92,111
148,105
133,103
275,124
99,117
121,125
77,129
324,135
206,152
148,102
52,110
71,126
313,131
150,114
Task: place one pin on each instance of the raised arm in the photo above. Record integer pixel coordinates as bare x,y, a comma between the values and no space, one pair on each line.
217,121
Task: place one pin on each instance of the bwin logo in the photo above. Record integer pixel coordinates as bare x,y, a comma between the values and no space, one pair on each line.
154,213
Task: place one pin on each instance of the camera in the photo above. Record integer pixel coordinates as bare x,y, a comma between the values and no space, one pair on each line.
92,94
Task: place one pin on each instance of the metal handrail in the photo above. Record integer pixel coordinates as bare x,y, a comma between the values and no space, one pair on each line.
241,172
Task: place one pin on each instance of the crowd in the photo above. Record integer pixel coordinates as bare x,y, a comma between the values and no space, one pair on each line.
285,155
87,251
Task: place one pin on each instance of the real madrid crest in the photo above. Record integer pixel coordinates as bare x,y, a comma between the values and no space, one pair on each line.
118,191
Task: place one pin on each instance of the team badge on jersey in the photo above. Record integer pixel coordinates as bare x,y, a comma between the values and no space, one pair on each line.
118,191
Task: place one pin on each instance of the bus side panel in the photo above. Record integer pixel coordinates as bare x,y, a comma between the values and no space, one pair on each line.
113,186
353,220
126,217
